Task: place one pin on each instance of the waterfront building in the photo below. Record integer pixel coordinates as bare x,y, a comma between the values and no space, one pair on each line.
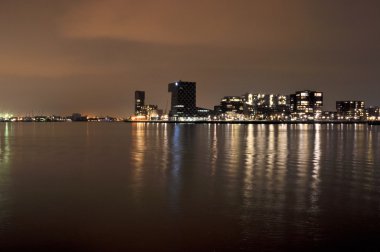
232,104
183,99
350,109
145,112
271,103
306,104
266,106
151,112
248,108
139,102
373,113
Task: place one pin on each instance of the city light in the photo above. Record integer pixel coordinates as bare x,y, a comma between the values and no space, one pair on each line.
5,116
302,106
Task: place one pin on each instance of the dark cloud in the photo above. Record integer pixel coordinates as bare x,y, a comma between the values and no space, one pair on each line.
90,56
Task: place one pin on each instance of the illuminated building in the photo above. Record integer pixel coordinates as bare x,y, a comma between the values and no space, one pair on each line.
151,112
248,107
232,104
139,102
266,105
307,103
5,117
145,112
183,99
373,111
350,109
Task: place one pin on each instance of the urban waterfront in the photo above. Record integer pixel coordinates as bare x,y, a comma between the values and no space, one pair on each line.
189,187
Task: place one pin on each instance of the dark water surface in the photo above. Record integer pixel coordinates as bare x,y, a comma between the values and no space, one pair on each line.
167,187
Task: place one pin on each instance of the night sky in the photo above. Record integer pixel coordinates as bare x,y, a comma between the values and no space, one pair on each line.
59,57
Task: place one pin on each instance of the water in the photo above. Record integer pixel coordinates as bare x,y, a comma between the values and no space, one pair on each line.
167,187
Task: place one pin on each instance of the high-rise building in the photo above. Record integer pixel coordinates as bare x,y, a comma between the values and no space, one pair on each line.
139,102
307,102
350,109
183,99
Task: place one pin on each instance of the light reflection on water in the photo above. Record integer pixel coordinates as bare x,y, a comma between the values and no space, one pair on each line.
139,146
176,187
5,163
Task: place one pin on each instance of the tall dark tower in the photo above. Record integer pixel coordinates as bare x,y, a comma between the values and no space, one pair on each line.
139,102
183,100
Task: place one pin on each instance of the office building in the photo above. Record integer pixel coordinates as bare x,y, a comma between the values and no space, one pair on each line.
183,99
145,111
266,105
350,109
139,102
233,104
373,113
306,103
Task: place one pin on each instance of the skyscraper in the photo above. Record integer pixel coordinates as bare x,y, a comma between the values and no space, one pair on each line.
183,99
139,102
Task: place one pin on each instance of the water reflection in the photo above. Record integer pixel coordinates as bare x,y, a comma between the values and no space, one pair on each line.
4,145
177,151
164,147
213,147
192,187
5,164
232,151
175,164
248,165
138,158
314,195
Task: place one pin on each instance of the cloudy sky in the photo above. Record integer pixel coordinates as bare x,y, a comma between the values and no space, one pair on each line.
89,56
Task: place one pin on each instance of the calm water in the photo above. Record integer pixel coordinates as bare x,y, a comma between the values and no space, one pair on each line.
137,187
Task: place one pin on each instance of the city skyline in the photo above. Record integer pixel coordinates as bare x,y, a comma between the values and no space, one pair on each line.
298,106
90,56
140,97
